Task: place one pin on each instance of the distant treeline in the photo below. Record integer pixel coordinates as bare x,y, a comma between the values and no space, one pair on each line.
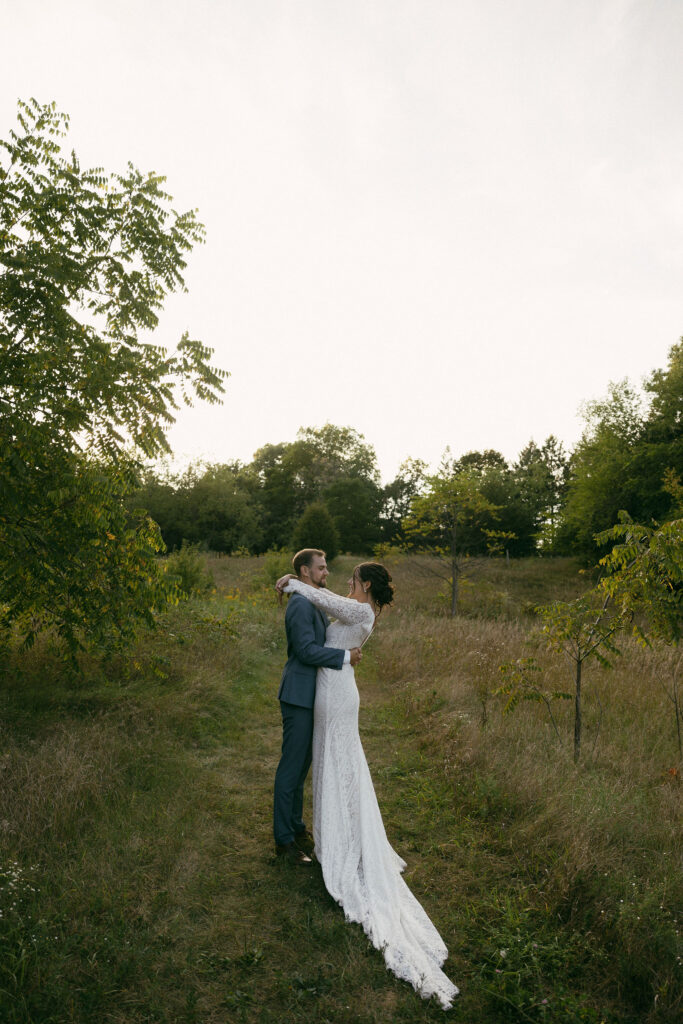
630,457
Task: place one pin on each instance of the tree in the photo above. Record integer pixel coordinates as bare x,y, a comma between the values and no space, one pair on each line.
511,520
645,582
316,529
622,457
354,503
556,463
398,495
644,578
581,631
159,496
665,419
339,452
602,472
223,509
71,556
292,476
86,261
479,462
541,478
645,575
641,589
279,497
211,505
452,505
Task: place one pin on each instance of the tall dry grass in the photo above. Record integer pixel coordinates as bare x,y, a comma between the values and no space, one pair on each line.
598,843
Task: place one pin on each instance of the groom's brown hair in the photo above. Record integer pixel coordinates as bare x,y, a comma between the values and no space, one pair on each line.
305,557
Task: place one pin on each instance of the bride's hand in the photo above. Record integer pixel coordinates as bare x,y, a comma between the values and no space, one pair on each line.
283,581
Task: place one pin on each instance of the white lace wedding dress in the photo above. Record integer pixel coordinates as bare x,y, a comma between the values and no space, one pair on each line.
361,870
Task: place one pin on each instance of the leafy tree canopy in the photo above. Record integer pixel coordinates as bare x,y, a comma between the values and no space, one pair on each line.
292,476
339,452
86,261
479,462
213,505
316,529
450,513
623,457
398,495
496,482
665,419
354,504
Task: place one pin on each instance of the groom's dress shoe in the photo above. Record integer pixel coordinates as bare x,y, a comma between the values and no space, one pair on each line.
304,840
293,854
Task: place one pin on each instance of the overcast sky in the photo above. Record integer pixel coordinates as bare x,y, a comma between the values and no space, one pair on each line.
441,222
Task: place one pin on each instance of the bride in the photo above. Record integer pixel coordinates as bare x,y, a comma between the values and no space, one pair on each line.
360,868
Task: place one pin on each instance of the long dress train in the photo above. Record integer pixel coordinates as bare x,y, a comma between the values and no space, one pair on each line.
360,868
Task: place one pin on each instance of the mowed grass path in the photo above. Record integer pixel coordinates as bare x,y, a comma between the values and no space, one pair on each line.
138,870
135,819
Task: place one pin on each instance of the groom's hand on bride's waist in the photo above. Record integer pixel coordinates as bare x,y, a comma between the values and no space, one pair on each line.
355,655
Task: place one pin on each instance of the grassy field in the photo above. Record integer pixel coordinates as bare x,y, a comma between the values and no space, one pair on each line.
137,877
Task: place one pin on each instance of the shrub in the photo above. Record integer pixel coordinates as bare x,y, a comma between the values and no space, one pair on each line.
275,564
188,568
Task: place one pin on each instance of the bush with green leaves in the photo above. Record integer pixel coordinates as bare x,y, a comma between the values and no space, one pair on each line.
75,560
275,564
188,570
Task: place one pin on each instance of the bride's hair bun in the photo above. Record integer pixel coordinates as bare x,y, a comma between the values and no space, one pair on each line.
379,579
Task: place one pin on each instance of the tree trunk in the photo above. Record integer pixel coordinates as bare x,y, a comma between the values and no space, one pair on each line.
677,709
454,573
577,712
454,595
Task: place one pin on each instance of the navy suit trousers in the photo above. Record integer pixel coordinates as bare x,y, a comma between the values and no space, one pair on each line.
297,738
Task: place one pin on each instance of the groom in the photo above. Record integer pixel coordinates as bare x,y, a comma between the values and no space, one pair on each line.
305,627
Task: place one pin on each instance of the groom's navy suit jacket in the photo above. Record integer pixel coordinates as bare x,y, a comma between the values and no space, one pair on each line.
305,627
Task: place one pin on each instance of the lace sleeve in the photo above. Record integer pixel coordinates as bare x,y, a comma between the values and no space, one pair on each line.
344,609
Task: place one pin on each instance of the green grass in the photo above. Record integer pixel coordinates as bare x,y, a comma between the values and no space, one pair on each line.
137,878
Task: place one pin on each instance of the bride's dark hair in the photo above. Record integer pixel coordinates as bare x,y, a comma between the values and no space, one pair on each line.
379,579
